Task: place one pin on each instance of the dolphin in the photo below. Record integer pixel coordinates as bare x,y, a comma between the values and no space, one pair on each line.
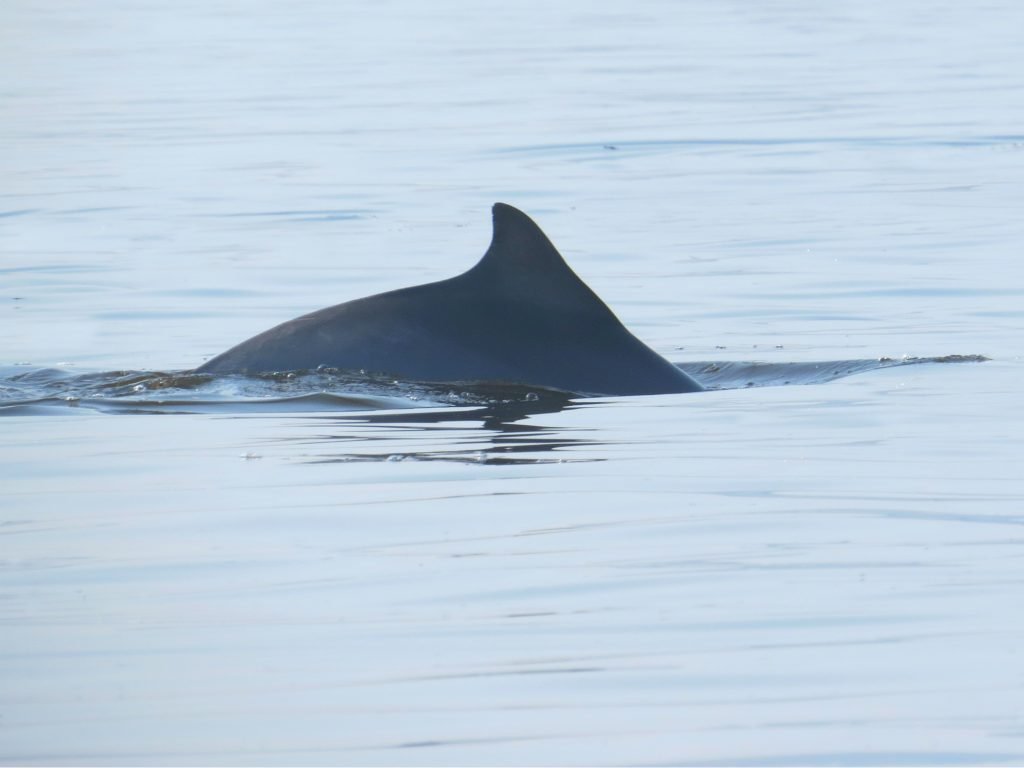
519,316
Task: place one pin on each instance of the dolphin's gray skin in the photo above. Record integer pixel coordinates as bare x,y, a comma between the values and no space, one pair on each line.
520,316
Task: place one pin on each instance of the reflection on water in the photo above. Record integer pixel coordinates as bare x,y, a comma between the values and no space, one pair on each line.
381,420
493,432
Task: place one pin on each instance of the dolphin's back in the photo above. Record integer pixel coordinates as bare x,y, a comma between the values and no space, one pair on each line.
520,316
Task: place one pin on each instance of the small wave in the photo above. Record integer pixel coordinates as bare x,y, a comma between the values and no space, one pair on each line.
41,390
741,375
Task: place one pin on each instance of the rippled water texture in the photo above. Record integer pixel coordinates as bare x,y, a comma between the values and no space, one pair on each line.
331,569
24,391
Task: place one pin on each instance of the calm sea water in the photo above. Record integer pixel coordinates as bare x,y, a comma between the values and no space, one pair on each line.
829,573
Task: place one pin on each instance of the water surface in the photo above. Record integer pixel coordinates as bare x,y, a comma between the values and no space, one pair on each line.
333,572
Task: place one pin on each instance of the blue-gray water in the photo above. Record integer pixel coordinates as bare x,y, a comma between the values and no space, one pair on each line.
243,573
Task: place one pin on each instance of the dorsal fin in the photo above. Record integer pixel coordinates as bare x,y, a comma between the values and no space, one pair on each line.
519,243
521,260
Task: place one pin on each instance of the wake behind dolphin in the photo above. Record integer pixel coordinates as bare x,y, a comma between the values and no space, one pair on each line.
520,316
